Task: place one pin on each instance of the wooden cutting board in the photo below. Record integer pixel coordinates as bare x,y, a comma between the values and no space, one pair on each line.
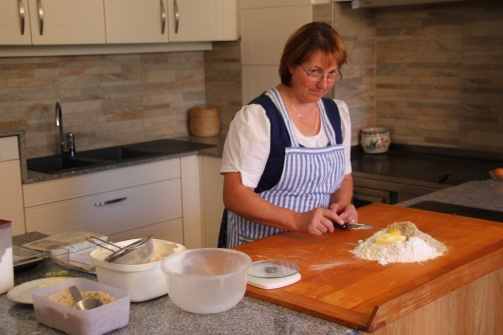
365,295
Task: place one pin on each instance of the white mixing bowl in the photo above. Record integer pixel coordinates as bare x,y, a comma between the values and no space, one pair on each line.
142,281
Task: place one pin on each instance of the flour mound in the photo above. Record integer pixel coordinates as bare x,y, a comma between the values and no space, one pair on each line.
418,247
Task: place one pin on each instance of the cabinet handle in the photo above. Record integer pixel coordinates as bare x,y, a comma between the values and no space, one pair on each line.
109,202
21,15
40,17
163,17
177,17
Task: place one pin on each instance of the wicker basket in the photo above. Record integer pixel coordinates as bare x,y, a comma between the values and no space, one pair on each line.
203,121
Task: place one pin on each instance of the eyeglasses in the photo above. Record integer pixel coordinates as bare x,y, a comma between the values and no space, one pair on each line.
315,75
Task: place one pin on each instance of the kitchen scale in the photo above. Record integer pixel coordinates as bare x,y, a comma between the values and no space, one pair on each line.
273,274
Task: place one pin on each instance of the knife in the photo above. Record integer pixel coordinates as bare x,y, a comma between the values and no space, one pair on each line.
352,226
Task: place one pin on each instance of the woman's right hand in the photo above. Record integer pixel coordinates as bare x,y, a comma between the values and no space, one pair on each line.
317,221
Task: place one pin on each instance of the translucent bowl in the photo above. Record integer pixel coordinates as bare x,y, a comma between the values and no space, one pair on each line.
208,280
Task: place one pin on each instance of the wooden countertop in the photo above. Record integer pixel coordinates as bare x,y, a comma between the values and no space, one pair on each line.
365,295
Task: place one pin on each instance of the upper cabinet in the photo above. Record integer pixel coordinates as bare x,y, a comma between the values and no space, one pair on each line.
136,21
52,22
203,20
157,21
94,22
15,18
67,22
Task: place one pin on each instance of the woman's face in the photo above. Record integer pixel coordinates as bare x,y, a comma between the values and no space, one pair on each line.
305,90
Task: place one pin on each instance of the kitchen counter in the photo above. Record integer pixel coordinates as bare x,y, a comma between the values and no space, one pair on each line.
429,166
456,293
435,168
161,316
484,194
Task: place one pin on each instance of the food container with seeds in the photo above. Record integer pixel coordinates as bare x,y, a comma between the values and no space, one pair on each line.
55,312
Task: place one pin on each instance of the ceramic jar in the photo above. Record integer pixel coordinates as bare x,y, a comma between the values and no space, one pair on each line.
375,140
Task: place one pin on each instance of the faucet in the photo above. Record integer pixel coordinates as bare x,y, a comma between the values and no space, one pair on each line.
67,141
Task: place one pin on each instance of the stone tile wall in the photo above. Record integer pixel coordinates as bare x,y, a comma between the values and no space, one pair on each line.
106,99
223,80
431,73
438,72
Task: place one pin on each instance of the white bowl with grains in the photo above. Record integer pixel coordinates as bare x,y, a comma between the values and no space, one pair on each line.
142,281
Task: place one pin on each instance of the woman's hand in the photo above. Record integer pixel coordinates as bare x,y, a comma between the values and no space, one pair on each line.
345,213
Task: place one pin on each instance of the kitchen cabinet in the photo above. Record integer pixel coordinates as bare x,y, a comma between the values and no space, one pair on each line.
208,20
122,203
11,192
94,22
265,27
46,22
16,25
136,21
213,189
67,22
158,21
369,190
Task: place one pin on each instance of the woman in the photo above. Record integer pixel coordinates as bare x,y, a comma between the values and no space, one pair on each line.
286,161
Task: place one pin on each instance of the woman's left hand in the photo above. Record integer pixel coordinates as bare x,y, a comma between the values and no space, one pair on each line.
346,212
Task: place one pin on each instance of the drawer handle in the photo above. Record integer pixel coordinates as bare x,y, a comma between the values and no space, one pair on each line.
109,202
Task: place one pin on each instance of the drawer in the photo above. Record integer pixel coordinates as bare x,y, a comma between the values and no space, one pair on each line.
68,188
110,212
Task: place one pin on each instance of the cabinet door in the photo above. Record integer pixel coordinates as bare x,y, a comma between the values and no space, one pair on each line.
67,22
257,79
213,199
15,22
136,21
194,20
11,196
264,32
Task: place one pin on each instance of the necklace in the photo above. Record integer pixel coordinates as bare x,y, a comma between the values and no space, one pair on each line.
315,123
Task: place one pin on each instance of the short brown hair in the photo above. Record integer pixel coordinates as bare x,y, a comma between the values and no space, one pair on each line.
311,37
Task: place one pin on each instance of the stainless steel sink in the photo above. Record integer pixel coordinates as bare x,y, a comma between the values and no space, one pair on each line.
107,156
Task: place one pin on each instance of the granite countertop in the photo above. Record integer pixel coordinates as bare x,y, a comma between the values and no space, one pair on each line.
438,168
214,151
484,194
160,316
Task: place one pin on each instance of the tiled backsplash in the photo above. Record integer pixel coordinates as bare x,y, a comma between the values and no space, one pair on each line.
438,72
106,100
431,73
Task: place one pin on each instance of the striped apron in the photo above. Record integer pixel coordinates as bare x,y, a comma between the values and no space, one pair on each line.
309,177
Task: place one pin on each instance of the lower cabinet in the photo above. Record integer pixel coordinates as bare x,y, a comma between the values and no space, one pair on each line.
367,190
123,203
213,186
11,192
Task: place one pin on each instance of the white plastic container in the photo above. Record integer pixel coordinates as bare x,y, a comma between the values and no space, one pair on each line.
142,281
6,258
100,320
207,280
